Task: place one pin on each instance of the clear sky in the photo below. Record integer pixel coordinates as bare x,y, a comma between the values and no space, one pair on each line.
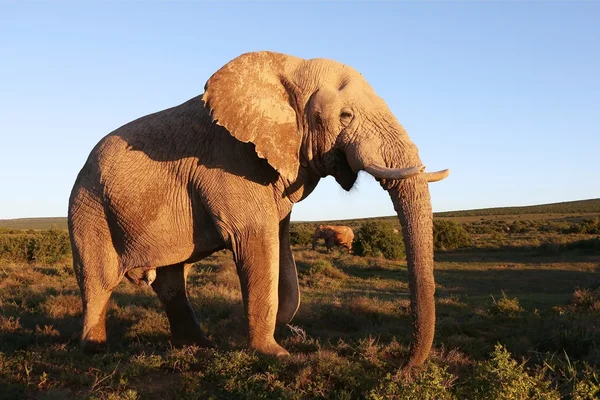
505,94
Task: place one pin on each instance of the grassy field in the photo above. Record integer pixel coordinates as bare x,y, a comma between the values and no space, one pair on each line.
518,316
34,223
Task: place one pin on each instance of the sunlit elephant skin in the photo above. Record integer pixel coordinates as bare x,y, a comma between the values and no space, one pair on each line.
341,236
222,171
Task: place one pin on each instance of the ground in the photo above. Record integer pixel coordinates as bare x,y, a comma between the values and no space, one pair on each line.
520,309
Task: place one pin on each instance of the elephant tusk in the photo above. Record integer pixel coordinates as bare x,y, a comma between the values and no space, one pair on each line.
394,173
437,175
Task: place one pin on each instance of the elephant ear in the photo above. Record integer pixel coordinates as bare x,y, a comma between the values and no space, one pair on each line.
252,98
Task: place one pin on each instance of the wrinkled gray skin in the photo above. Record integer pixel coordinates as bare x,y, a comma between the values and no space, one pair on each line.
223,170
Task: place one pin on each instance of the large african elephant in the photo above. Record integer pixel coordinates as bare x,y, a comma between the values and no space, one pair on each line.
222,171
334,236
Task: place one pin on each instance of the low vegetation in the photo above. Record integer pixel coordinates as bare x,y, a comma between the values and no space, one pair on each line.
302,234
375,239
517,318
448,235
568,207
46,246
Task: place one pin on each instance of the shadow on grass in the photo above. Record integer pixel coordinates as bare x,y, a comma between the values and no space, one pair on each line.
549,252
356,310
515,281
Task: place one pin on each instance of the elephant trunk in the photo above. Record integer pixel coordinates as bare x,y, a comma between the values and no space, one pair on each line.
388,155
413,206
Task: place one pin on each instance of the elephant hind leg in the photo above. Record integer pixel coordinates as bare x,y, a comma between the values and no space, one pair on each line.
95,261
170,286
94,322
95,293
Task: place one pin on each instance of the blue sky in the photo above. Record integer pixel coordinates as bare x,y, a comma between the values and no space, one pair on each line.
505,94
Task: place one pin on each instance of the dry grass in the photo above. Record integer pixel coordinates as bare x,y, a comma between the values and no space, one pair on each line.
348,340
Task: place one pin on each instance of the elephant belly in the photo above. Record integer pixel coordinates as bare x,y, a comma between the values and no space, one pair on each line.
159,227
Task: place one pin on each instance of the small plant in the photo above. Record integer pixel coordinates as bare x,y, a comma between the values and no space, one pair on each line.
448,235
378,238
505,306
502,378
324,268
586,299
587,387
432,383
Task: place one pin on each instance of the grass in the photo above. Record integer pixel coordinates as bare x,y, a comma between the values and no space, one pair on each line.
564,210
568,207
34,223
517,317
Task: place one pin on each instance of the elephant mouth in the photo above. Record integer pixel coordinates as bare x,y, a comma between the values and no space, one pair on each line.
343,174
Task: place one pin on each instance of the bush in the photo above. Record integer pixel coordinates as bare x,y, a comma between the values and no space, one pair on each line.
449,235
431,383
587,226
505,306
378,239
588,386
502,378
47,246
301,234
523,226
479,228
590,226
324,268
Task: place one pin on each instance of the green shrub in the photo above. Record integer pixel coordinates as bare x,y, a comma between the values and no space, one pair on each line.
47,246
449,235
502,378
522,226
324,268
479,228
378,239
301,234
587,387
588,226
505,306
432,383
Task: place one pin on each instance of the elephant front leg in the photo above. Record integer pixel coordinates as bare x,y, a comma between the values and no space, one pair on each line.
289,293
256,254
170,286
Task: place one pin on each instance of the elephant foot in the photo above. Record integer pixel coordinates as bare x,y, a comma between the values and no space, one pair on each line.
271,349
93,339
93,346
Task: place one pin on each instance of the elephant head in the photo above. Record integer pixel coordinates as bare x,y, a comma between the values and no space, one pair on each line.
317,118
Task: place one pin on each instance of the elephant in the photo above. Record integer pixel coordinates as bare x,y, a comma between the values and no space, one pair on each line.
222,171
334,236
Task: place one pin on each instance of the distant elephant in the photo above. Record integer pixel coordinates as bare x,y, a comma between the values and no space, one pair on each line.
334,236
222,171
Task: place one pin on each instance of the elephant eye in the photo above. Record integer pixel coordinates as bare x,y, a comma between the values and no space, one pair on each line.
346,115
